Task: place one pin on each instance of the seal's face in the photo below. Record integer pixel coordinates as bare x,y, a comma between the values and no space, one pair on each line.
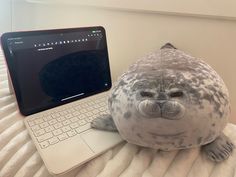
153,101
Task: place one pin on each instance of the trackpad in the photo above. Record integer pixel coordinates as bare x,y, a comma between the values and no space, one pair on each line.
99,140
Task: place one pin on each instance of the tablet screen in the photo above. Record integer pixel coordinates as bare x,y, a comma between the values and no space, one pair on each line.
52,67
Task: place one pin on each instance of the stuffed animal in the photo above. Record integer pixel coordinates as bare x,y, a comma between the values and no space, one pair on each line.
170,100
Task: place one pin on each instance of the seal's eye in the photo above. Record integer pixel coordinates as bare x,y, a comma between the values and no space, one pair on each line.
146,94
176,94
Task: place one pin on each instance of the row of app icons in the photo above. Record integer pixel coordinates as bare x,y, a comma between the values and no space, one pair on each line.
60,42
66,41
91,35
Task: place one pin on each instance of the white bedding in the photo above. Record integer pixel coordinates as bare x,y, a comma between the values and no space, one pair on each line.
19,157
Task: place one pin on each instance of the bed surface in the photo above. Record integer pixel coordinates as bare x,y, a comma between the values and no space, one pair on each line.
19,157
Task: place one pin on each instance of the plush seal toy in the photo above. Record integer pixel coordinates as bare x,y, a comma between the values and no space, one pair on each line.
169,100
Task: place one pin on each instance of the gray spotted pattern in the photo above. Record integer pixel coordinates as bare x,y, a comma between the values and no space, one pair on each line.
170,100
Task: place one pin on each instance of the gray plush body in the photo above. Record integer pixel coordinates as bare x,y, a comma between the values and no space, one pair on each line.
169,100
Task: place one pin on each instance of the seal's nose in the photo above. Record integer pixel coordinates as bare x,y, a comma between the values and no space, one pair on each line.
160,102
162,96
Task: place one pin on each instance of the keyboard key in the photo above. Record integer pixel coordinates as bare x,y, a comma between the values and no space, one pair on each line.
83,128
102,109
57,132
68,116
39,132
97,101
58,125
74,125
82,116
71,133
55,115
95,111
78,108
102,104
101,113
35,128
89,119
59,119
47,118
53,121
82,122
103,100
71,110
53,140
44,144
62,136
84,105
38,121
74,119
31,123
90,108
62,113
44,137
66,122
90,103
96,106
49,129
88,114
43,125
76,113
66,128
36,117
83,111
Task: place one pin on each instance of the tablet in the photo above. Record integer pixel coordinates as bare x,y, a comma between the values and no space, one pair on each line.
53,67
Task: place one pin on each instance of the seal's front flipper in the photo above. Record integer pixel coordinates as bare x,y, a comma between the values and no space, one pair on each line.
220,149
104,122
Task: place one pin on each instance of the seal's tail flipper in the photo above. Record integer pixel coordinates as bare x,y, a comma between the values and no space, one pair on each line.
220,149
168,46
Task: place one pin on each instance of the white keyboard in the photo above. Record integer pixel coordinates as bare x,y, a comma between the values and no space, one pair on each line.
66,121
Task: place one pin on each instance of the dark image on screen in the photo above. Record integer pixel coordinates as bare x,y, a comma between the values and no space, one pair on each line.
55,68
63,78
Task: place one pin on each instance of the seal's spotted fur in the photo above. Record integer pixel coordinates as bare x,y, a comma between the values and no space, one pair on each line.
170,100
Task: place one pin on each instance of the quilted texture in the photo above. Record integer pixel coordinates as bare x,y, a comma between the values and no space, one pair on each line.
19,157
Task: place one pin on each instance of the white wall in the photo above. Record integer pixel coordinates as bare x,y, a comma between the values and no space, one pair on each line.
133,34
205,8
5,15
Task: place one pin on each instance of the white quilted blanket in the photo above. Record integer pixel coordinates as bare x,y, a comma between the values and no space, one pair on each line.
19,157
